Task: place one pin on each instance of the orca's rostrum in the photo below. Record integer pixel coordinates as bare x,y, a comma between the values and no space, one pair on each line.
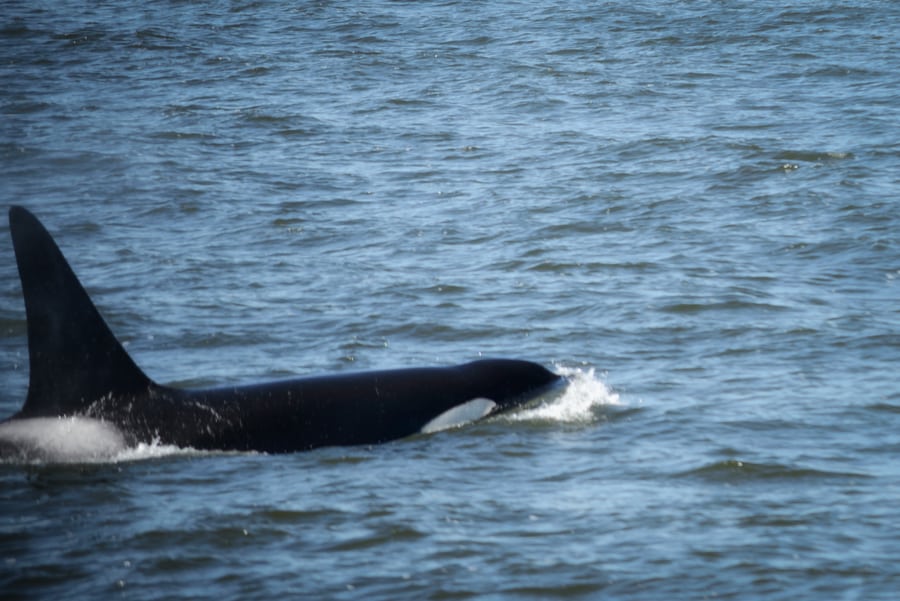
79,369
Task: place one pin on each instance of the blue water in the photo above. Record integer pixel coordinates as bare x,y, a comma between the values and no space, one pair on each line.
690,208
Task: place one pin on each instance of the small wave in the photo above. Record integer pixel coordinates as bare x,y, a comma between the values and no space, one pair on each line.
731,305
813,156
578,403
734,470
884,407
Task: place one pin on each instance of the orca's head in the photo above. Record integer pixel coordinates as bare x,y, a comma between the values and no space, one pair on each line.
510,382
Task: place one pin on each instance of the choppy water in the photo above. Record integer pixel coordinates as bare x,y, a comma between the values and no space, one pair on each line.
689,207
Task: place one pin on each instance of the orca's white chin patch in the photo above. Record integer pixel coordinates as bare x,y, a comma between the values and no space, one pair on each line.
60,440
459,415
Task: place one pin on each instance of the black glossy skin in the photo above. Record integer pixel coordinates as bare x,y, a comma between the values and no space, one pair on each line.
294,415
77,367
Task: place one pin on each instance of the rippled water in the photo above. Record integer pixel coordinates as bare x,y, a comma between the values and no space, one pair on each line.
688,207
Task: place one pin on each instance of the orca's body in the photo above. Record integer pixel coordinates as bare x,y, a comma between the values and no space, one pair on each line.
79,369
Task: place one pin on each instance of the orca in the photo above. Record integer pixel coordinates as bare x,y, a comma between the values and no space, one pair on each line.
78,369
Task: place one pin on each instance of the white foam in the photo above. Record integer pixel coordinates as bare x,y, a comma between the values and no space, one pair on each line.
156,450
73,440
578,403
60,440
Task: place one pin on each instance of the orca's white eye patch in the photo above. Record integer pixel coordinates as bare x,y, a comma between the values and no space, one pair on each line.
460,414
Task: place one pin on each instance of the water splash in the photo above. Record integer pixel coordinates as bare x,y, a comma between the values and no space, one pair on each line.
73,440
156,450
578,403
60,440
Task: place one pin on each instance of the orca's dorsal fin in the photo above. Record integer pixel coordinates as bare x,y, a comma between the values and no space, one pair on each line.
74,357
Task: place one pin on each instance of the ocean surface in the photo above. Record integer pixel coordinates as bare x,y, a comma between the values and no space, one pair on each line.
690,208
